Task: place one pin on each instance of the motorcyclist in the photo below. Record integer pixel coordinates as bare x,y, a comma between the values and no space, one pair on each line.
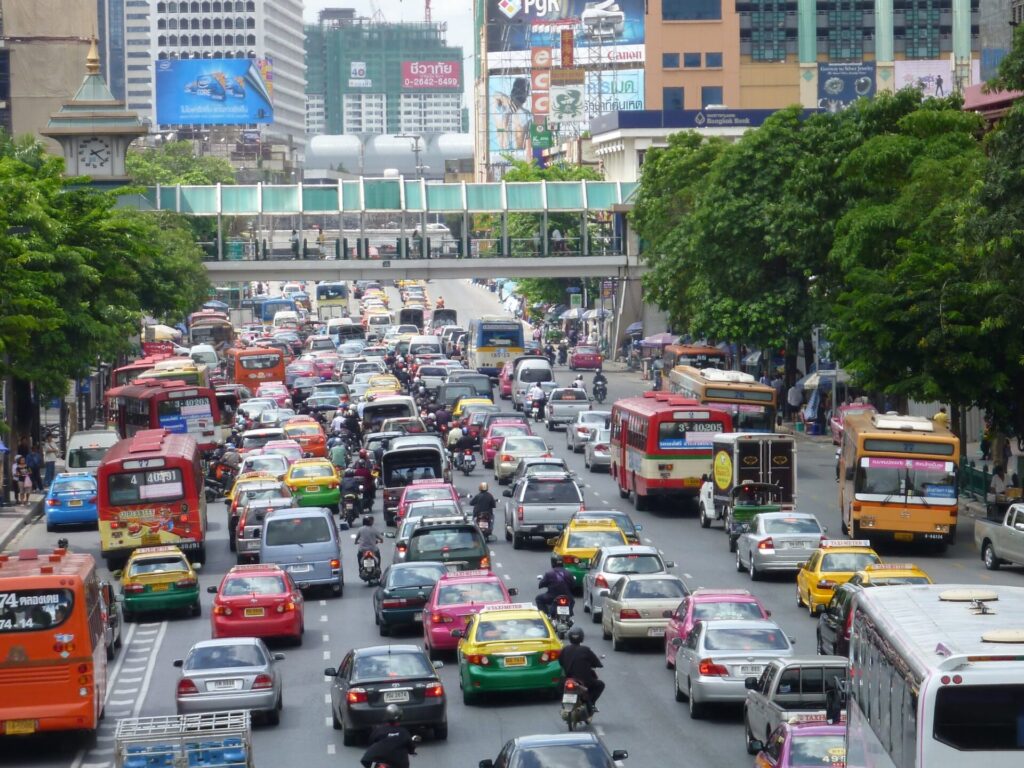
549,353
483,504
368,538
339,454
536,395
442,416
454,436
577,383
350,483
579,663
557,582
390,743
440,302
563,352
600,380
337,422
351,423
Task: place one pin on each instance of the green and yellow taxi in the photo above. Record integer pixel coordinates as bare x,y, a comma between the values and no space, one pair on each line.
159,579
314,483
510,647
833,563
580,540
465,401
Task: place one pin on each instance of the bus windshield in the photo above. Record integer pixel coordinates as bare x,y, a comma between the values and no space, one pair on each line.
28,610
905,478
258,362
331,291
749,418
140,487
500,336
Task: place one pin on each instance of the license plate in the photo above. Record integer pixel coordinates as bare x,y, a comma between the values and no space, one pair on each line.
395,697
254,612
75,503
19,727
159,587
515,661
312,488
691,482
570,698
903,536
751,669
225,685
562,610
306,568
149,540
656,632
418,616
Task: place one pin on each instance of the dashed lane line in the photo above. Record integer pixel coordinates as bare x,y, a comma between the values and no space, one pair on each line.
148,676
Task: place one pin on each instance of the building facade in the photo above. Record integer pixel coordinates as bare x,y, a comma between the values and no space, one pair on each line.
377,77
110,31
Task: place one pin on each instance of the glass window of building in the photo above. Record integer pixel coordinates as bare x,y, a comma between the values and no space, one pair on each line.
845,30
711,95
672,98
691,60
922,27
713,60
767,28
691,10
670,61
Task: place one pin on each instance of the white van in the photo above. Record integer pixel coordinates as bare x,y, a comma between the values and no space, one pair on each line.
286,317
530,371
377,325
425,345
87,448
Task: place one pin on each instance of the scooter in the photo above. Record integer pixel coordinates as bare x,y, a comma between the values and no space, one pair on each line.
600,392
369,567
537,410
468,461
486,525
350,507
562,618
575,704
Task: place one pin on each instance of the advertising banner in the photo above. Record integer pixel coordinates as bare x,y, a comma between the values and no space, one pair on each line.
840,84
602,31
432,75
567,104
933,76
357,75
214,91
616,91
509,118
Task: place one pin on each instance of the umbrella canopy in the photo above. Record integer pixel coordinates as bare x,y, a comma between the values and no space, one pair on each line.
595,314
634,328
823,379
659,340
162,333
214,304
571,314
555,311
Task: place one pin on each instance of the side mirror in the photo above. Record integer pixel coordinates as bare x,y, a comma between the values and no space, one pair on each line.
638,528
212,590
792,640
278,657
750,683
389,534
485,764
756,746
458,633
178,662
507,493
513,591
551,543
677,642
767,612
330,672
437,664
619,754
670,563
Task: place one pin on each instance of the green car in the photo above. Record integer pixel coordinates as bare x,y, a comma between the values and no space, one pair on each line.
159,579
314,483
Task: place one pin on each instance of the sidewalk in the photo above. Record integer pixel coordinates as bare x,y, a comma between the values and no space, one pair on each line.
14,517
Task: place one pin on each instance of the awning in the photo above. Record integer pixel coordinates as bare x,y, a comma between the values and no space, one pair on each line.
659,340
571,314
214,304
635,328
162,333
596,314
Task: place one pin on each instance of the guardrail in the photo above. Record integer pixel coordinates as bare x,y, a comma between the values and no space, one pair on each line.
974,480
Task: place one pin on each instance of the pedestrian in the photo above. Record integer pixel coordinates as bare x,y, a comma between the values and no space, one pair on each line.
938,86
294,241
986,440
557,241
794,399
941,418
997,486
22,479
50,454
3,473
35,466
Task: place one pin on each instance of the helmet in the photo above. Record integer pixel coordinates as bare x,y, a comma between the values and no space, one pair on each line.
393,712
575,635
483,486
367,519
362,453
350,472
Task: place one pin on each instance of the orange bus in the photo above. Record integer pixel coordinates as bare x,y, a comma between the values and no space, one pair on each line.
53,673
131,371
166,404
661,445
254,365
151,493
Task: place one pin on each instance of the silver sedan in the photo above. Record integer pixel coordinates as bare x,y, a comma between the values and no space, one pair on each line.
716,658
778,541
597,450
230,673
587,422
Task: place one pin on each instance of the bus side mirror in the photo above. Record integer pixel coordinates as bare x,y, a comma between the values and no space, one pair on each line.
756,746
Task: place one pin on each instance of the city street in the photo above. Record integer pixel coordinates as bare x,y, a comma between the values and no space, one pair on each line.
638,712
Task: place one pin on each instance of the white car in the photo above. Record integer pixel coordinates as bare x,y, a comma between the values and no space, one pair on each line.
587,422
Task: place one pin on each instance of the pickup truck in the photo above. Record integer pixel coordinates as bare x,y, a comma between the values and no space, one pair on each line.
1001,541
562,406
785,688
209,739
540,506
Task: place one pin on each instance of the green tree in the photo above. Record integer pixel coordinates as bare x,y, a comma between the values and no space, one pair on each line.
175,162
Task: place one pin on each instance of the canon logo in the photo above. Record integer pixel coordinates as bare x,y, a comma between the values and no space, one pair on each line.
614,55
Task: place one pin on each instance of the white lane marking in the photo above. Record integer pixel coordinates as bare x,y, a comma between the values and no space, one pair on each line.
148,678
687,576
327,698
121,702
94,765
330,749
103,751
117,670
492,553
327,655
327,638
647,541
323,603
507,576
323,618
327,722
129,680
151,625
133,670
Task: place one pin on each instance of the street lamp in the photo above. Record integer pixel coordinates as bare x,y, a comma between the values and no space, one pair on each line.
416,139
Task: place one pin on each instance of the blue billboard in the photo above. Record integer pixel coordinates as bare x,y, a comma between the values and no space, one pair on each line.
214,91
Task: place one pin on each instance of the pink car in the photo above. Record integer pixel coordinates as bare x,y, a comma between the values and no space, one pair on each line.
276,391
290,449
585,357
703,604
497,432
505,380
838,421
455,598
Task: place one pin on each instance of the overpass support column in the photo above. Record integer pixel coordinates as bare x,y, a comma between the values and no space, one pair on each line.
584,235
220,237
504,235
544,232
465,234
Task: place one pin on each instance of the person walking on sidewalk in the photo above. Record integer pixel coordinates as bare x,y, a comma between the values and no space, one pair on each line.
35,465
22,479
49,460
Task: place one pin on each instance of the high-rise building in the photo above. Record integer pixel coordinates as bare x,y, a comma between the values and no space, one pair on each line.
269,30
110,31
377,77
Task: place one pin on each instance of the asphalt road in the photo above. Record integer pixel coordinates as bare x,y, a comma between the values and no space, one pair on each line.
638,712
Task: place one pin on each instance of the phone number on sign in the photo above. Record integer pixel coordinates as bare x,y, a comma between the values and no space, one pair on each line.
431,82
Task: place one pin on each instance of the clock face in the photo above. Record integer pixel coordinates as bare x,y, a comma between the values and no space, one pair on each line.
94,152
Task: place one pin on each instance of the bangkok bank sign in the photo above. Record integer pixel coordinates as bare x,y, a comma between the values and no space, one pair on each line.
433,75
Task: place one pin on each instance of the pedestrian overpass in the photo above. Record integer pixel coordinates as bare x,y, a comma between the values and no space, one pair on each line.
375,227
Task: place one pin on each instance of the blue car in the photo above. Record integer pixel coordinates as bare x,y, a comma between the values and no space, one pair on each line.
71,500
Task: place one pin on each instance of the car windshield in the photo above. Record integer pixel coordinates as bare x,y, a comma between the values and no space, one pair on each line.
446,542
654,589
521,444
169,564
507,430
816,751
743,639
318,470
265,464
727,610
424,575
305,430
427,494
562,756
551,492
475,592
536,373
260,585
221,656
257,441
67,486
840,562
80,458
498,630
791,525
634,564
594,539
391,666
297,530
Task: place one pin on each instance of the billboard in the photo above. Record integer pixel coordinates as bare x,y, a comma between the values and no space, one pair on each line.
599,31
933,76
432,75
601,92
214,91
509,118
840,84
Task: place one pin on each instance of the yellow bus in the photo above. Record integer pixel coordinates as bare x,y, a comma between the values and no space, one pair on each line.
752,406
898,479
181,368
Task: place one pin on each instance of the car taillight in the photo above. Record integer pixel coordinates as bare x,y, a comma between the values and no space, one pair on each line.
356,696
600,447
826,584
182,583
187,688
520,512
547,455
393,602
766,544
708,668
506,457
569,559
550,656
629,613
441,618
133,588
335,564
581,430
481,660
262,682
286,607
402,548
221,610
434,691
601,581
52,502
91,499
485,562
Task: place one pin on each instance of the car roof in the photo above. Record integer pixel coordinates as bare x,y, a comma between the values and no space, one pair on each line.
740,624
298,512
630,549
224,641
780,515
158,551
375,650
249,569
709,594
555,740
651,577
480,574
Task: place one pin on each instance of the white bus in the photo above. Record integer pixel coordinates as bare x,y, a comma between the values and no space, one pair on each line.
936,678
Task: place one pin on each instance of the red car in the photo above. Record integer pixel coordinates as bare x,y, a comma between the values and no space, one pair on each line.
703,604
276,391
838,421
424,490
505,380
257,601
587,358
497,432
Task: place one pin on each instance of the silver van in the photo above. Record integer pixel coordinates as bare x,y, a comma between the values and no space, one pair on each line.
304,541
529,371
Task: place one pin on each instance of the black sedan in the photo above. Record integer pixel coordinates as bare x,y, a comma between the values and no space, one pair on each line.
371,678
403,591
578,750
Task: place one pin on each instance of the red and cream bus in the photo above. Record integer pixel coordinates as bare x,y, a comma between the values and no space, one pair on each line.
166,404
661,445
151,493
131,371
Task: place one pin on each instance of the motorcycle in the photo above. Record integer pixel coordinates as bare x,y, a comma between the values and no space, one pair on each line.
467,462
382,764
486,525
563,355
600,392
369,567
219,482
350,507
562,618
537,410
575,704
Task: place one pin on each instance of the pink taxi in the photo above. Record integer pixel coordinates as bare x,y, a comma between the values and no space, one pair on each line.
455,598
703,604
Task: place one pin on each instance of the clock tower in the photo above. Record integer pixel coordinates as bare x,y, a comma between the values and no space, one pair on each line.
94,129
